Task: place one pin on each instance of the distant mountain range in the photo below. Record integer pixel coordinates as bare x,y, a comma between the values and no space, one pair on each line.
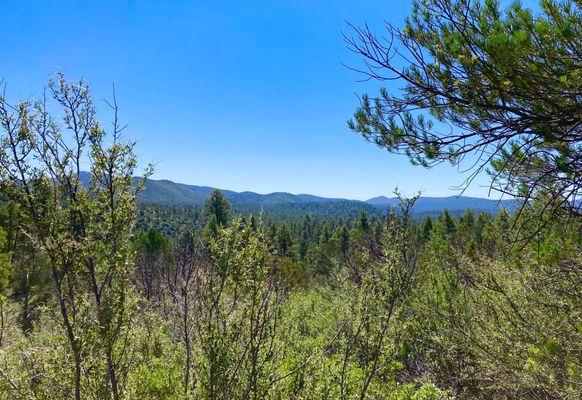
165,192
453,203
168,193
171,193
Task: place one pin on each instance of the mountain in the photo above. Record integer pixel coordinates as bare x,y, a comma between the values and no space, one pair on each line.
383,201
165,192
169,193
452,203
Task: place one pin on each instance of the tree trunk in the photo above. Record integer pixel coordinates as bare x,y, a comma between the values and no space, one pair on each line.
70,333
112,374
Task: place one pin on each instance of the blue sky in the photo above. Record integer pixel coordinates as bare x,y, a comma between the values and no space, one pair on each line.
241,95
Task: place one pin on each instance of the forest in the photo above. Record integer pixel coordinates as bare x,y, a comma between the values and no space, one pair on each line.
106,297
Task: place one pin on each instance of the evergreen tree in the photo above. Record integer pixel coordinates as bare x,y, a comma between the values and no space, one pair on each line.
218,206
284,241
344,238
364,223
501,86
447,222
425,229
151,247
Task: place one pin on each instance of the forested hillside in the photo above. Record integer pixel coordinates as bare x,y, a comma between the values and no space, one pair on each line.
197,293
168,193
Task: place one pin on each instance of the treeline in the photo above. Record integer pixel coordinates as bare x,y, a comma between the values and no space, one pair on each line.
394,307
205,303
306,239
219,305
167,218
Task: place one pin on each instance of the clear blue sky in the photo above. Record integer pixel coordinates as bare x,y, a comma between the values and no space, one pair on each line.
241,95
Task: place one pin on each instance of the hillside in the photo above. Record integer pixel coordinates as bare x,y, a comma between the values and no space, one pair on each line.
452,203
168,193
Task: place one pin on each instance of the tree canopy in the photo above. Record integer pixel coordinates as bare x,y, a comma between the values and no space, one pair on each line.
498,88
217,206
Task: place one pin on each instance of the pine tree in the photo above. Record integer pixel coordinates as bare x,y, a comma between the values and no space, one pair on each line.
501,87
425,229
218,206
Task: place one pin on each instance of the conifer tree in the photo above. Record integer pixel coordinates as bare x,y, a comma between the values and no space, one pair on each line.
218,206
500,87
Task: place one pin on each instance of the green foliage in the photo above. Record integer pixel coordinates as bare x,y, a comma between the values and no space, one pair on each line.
152,248
298,303
168,220
217,208
291,273
81,227
395,316
497,86
5,264
239,310
152,242
157,373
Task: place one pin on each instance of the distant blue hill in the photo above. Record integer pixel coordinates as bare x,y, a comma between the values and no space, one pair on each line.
452,203
169,193
166,192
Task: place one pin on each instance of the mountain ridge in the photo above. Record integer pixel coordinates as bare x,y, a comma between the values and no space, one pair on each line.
169,193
